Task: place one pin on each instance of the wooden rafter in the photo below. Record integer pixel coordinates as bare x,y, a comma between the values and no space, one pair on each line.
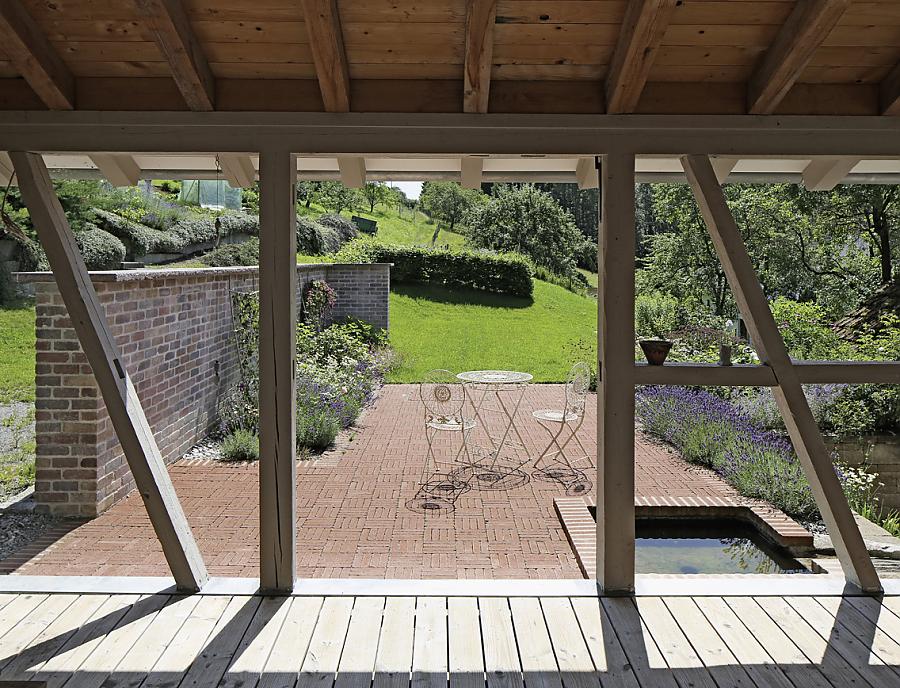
807,26
586,173
174,36
353,171
481,15
823,174
470,172
277,401
889,92
615,390
323,24
798,418
6,169
34,57
119,170
102,352
642,31
238,170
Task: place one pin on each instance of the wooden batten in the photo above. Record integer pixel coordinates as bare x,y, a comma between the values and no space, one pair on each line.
323,24
642,32
805,29
277,339
615,393
481,16
798,418
34,57
174,36
119,395
119,170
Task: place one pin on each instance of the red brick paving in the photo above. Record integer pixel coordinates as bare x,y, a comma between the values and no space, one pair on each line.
352,520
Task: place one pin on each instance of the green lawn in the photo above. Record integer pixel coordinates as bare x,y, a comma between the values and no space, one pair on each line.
435,327
17,351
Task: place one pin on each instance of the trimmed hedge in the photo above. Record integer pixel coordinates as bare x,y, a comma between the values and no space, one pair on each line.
140,239
345,229
100,250
501,273
246,253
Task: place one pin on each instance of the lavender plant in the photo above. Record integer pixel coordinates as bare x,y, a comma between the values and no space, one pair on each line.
711,432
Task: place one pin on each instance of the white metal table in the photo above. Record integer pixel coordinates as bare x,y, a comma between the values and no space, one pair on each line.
486,390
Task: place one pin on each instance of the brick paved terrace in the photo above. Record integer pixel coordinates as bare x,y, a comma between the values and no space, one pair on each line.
352,517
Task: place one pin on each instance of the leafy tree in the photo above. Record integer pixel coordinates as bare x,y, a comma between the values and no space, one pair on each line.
335,197
448,201
528,221
375,193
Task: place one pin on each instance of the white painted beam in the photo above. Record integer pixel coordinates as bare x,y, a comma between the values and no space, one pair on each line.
723,166
119,170
277,402
353,171
119,395
586,173
238,170
6,168
615,392
792,403
470,171
823,174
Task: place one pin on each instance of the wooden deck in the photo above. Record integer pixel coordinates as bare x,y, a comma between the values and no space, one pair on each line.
460,641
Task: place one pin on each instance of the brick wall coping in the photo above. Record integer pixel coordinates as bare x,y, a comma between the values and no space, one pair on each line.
154,274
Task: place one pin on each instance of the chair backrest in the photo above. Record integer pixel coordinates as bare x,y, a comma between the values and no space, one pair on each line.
577,385
442,393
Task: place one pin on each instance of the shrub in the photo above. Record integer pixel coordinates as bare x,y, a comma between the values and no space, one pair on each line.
8,291
656,316
337,343
239,408
246,253
318,302
32,258
346,230
314,239
502,273
241,445
100,249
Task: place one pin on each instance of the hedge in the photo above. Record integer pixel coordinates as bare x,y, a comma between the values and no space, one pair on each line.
100,250
246,253
501,273
141,239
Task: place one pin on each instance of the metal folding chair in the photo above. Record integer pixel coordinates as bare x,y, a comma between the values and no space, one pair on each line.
443,479
553,464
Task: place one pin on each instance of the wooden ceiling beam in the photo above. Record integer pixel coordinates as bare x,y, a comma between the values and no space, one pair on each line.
823,174
807,26
889,92
119,170
723,167
353,171
175,38
587,174
238,170
34,57
323,23
481,15
642,32
470,172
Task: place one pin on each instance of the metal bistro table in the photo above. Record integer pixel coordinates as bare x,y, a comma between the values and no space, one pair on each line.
491,468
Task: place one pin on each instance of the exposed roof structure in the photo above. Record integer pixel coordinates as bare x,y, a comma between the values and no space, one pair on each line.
594,57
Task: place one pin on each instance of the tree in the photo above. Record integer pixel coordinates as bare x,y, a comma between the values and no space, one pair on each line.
375,193
335,197
448,201
528,221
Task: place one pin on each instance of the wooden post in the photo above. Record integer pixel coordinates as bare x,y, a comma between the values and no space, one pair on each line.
119,395
277,401
798,418
615,398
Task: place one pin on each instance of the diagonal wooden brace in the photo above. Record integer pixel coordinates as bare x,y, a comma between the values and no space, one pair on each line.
119,395
798,418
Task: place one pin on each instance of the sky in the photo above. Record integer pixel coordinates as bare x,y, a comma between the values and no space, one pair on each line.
411,189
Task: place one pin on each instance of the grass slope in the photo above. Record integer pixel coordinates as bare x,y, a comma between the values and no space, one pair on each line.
436,327
17,351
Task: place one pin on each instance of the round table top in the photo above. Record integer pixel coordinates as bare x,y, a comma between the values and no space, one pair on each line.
494,376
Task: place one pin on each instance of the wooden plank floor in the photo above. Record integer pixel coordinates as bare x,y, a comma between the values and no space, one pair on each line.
169,641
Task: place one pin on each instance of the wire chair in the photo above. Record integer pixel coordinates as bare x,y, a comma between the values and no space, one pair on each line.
443,479
553,464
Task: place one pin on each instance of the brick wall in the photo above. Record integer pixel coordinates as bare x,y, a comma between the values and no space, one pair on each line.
173,328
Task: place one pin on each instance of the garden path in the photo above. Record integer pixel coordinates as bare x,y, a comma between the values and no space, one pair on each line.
352,519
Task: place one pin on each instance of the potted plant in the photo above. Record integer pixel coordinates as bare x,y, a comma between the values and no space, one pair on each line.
655,350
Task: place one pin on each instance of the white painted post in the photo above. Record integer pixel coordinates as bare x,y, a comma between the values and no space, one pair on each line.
277,339
615,392
798,418
122,403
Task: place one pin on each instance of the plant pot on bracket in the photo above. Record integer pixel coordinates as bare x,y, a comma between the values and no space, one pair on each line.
655,350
